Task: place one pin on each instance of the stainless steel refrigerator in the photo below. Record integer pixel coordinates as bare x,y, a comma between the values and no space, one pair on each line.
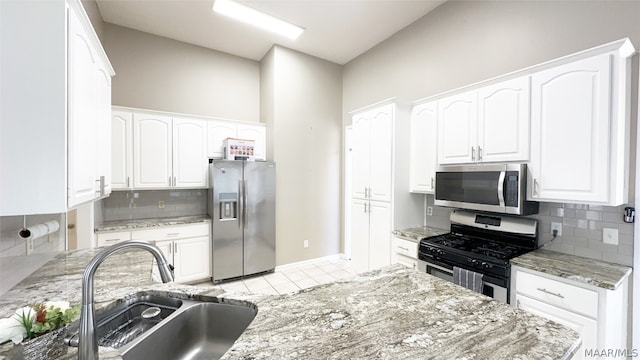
242,209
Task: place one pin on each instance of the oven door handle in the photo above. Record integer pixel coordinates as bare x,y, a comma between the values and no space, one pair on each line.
501,187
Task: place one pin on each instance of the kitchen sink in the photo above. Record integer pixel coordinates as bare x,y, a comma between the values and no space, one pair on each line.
123,323
204,330
180,329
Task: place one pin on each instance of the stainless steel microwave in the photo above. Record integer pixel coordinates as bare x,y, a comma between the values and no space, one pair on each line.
499,188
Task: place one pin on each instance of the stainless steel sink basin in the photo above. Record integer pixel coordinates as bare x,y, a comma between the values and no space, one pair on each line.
123,323
186,329
203,330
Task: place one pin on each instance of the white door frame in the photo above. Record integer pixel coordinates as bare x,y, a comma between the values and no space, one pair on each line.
348,169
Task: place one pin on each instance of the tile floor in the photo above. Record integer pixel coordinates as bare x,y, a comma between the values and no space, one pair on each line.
290,278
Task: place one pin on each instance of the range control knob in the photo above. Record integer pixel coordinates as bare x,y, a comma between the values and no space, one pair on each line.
485,265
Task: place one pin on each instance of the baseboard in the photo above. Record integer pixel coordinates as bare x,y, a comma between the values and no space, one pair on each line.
310,261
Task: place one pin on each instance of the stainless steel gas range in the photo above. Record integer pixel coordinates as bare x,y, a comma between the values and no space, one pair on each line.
482,243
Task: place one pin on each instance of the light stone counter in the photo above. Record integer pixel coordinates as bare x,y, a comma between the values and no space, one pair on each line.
418,233
589,271
146,223
391,313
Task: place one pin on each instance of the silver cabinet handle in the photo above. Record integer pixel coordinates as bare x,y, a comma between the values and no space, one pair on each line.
365,208
174,181
535,187
550,293
128,181
112,240
366,192
403,248
479,153
173,234
432,183
175,247
473,153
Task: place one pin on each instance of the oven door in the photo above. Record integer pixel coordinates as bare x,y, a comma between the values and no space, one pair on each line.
445,272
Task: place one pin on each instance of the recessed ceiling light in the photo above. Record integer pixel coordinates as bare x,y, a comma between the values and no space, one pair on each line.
256,18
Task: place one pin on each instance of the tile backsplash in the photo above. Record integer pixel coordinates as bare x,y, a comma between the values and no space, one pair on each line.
129,205
581,229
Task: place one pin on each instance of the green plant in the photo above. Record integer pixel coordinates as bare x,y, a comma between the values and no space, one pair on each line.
41,318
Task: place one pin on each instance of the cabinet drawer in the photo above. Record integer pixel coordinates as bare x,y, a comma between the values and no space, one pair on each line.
110,238
171,232
407,261
558,293
405,247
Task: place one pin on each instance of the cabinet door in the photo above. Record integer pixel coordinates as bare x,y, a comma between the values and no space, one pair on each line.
423,148
190,162
152,151
381,152
192,259
360,234
570,119
102,133
121,150
360,156
588,328
217,132
503,121
379,234
167,250
457,122
258,134
82,95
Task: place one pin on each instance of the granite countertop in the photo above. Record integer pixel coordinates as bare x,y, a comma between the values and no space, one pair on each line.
146,223
418,233
391,313
589,271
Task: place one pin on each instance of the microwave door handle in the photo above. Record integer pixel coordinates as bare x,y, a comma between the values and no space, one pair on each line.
501,187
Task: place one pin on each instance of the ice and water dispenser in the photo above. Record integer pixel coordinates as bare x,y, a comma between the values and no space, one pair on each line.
228,206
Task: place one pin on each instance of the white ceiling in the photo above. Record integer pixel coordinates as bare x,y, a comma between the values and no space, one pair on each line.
336,30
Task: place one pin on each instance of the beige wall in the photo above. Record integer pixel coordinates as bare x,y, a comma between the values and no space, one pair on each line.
302,103
157,73
462,42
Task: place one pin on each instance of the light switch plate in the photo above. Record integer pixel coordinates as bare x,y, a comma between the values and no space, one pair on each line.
610,236
558,227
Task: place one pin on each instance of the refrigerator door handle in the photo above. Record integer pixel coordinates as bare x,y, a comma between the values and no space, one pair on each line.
245,217
240,203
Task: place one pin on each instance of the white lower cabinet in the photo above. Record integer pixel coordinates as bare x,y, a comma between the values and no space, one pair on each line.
370,234
405,252
598,314
190,258
186,247
586,327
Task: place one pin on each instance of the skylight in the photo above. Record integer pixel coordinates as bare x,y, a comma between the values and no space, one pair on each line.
256,18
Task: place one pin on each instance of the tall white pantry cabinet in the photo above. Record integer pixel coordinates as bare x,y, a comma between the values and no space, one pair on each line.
380,199
55,155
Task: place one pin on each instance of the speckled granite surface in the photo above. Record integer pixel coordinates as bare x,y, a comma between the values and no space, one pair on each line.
392,313
146,223
589,271
417,233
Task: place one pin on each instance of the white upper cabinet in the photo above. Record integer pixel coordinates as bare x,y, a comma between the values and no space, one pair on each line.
190,153
219,130
423,155
580,148
490,124
54,117
457,122
122,150
257,133
372,154
152,151
503,121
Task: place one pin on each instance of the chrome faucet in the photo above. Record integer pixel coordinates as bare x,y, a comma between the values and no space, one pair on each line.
88,344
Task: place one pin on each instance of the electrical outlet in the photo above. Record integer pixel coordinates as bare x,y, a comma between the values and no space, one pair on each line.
558,227
305,243
161,204
430,210
610,236
29,243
